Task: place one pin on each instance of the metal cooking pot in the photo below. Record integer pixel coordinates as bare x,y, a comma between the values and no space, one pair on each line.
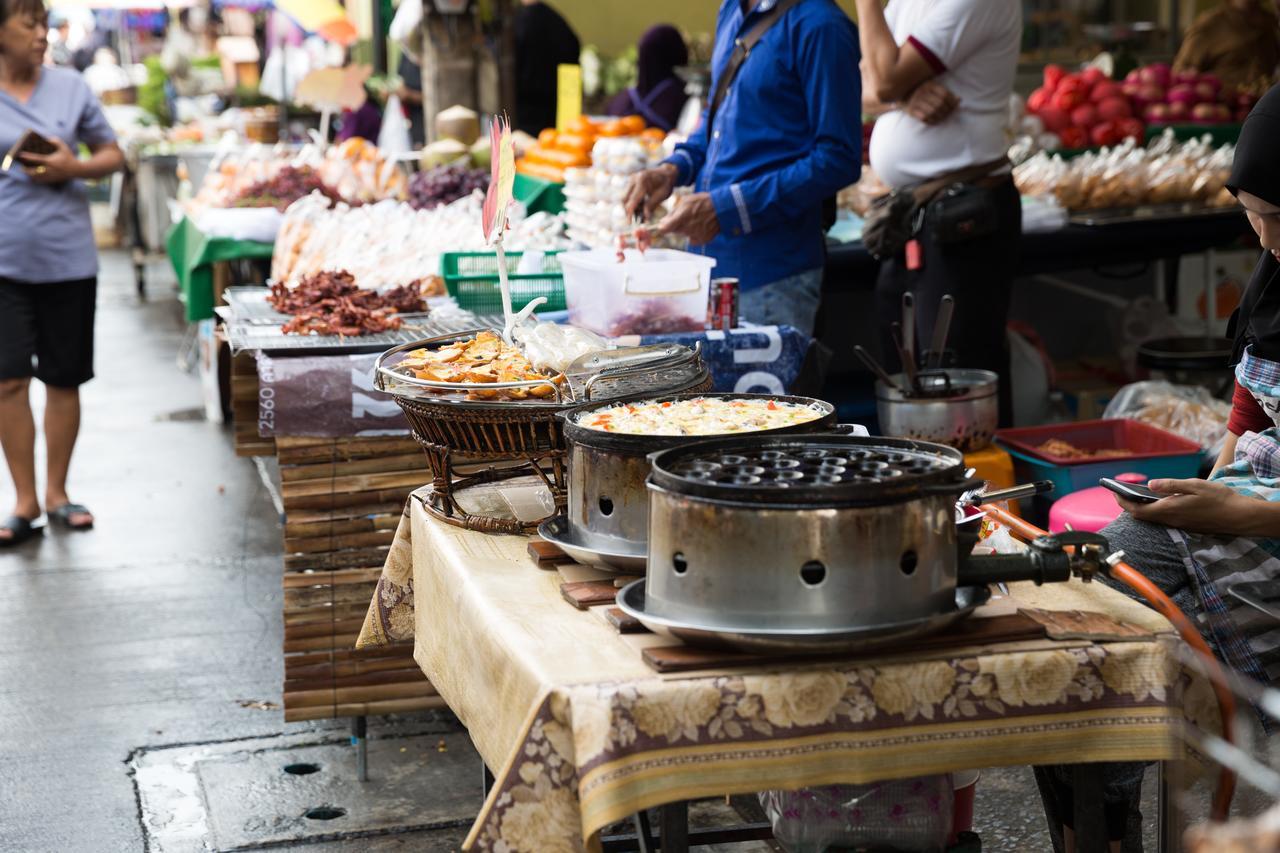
965,418
865,536
819,542
607,499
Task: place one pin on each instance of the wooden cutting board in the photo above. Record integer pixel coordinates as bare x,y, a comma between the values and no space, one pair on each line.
985,631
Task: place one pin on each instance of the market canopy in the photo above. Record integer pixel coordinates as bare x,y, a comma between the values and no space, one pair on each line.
325,18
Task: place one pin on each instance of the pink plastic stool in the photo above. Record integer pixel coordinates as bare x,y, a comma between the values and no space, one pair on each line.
1088,510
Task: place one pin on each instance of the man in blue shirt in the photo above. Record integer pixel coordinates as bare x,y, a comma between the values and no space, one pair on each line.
787,136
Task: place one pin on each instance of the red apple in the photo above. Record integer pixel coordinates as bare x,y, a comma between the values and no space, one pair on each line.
1178,111
1104,90
1186,78
1157,114
1092,75
1211,80
1104,133
1073,137
1221,113
1053,75
1203,113
1131,128
1182,94
1054,119
1134,76
1157,74
1084,116
1113,109
1205,92
1038,100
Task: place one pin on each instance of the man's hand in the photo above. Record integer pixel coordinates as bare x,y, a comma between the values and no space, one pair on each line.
1201,506
56,168
931,102
694,217
648,189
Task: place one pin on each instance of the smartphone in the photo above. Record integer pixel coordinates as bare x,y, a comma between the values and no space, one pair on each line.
1130,491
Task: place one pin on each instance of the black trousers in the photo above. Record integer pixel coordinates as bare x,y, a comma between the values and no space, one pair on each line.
979,275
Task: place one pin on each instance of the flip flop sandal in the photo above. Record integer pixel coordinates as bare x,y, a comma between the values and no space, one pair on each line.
22,530
62,515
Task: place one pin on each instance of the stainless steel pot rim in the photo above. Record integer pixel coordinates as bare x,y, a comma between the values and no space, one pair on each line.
632,601
977,385
638,444
824,470
597,549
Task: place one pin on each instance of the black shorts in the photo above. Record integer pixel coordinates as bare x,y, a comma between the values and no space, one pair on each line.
46,331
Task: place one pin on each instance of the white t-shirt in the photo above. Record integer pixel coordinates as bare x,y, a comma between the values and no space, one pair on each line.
973,45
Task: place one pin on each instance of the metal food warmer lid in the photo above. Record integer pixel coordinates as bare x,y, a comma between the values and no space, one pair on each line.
605,375
822,470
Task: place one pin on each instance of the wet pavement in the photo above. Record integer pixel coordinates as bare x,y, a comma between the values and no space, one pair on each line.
137,657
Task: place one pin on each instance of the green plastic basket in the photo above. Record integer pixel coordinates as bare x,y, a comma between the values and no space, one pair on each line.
472,280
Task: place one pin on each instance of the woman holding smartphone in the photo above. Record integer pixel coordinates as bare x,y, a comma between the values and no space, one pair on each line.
1202,537
48,261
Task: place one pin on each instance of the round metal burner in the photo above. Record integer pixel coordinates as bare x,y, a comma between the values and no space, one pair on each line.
839,470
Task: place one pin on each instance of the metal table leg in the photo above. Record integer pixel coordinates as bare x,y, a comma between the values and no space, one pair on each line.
644,833
673,822
1168,815
359,732
1090,816
487,779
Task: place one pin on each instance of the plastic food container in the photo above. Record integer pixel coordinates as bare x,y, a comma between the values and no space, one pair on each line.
658,292
1155,453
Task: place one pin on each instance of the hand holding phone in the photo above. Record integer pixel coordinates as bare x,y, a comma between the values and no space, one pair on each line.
1131,491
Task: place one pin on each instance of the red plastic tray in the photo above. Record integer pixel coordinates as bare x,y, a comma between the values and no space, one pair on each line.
1144,440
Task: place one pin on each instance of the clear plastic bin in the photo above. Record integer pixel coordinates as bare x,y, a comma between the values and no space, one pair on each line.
659,292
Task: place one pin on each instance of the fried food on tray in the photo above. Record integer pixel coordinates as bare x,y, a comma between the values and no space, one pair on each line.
482,360
330,303
1066,450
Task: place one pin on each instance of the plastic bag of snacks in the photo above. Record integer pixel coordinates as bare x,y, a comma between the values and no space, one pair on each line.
1186,410
908,814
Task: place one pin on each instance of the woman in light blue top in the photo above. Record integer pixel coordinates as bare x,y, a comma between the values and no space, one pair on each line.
48,262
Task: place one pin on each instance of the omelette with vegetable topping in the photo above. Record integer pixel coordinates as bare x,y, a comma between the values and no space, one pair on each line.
700,416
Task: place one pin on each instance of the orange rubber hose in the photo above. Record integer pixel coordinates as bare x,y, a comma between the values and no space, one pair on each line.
1139,583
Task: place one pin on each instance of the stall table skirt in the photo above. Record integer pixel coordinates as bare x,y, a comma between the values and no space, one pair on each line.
582,733
194,256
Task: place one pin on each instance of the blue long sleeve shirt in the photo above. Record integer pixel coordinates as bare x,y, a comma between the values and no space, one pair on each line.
787,135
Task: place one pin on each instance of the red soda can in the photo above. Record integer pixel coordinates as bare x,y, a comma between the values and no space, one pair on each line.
722,304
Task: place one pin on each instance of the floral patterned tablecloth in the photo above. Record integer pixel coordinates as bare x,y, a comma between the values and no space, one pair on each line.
581,733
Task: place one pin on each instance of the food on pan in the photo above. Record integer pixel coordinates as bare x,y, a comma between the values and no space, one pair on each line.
330,303
484,359
1066,450
700,416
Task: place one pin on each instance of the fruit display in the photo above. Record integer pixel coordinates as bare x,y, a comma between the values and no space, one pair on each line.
284,188
1163,172
389,243
593,196
355,170
1084,108
556,151
445,184
1164,96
